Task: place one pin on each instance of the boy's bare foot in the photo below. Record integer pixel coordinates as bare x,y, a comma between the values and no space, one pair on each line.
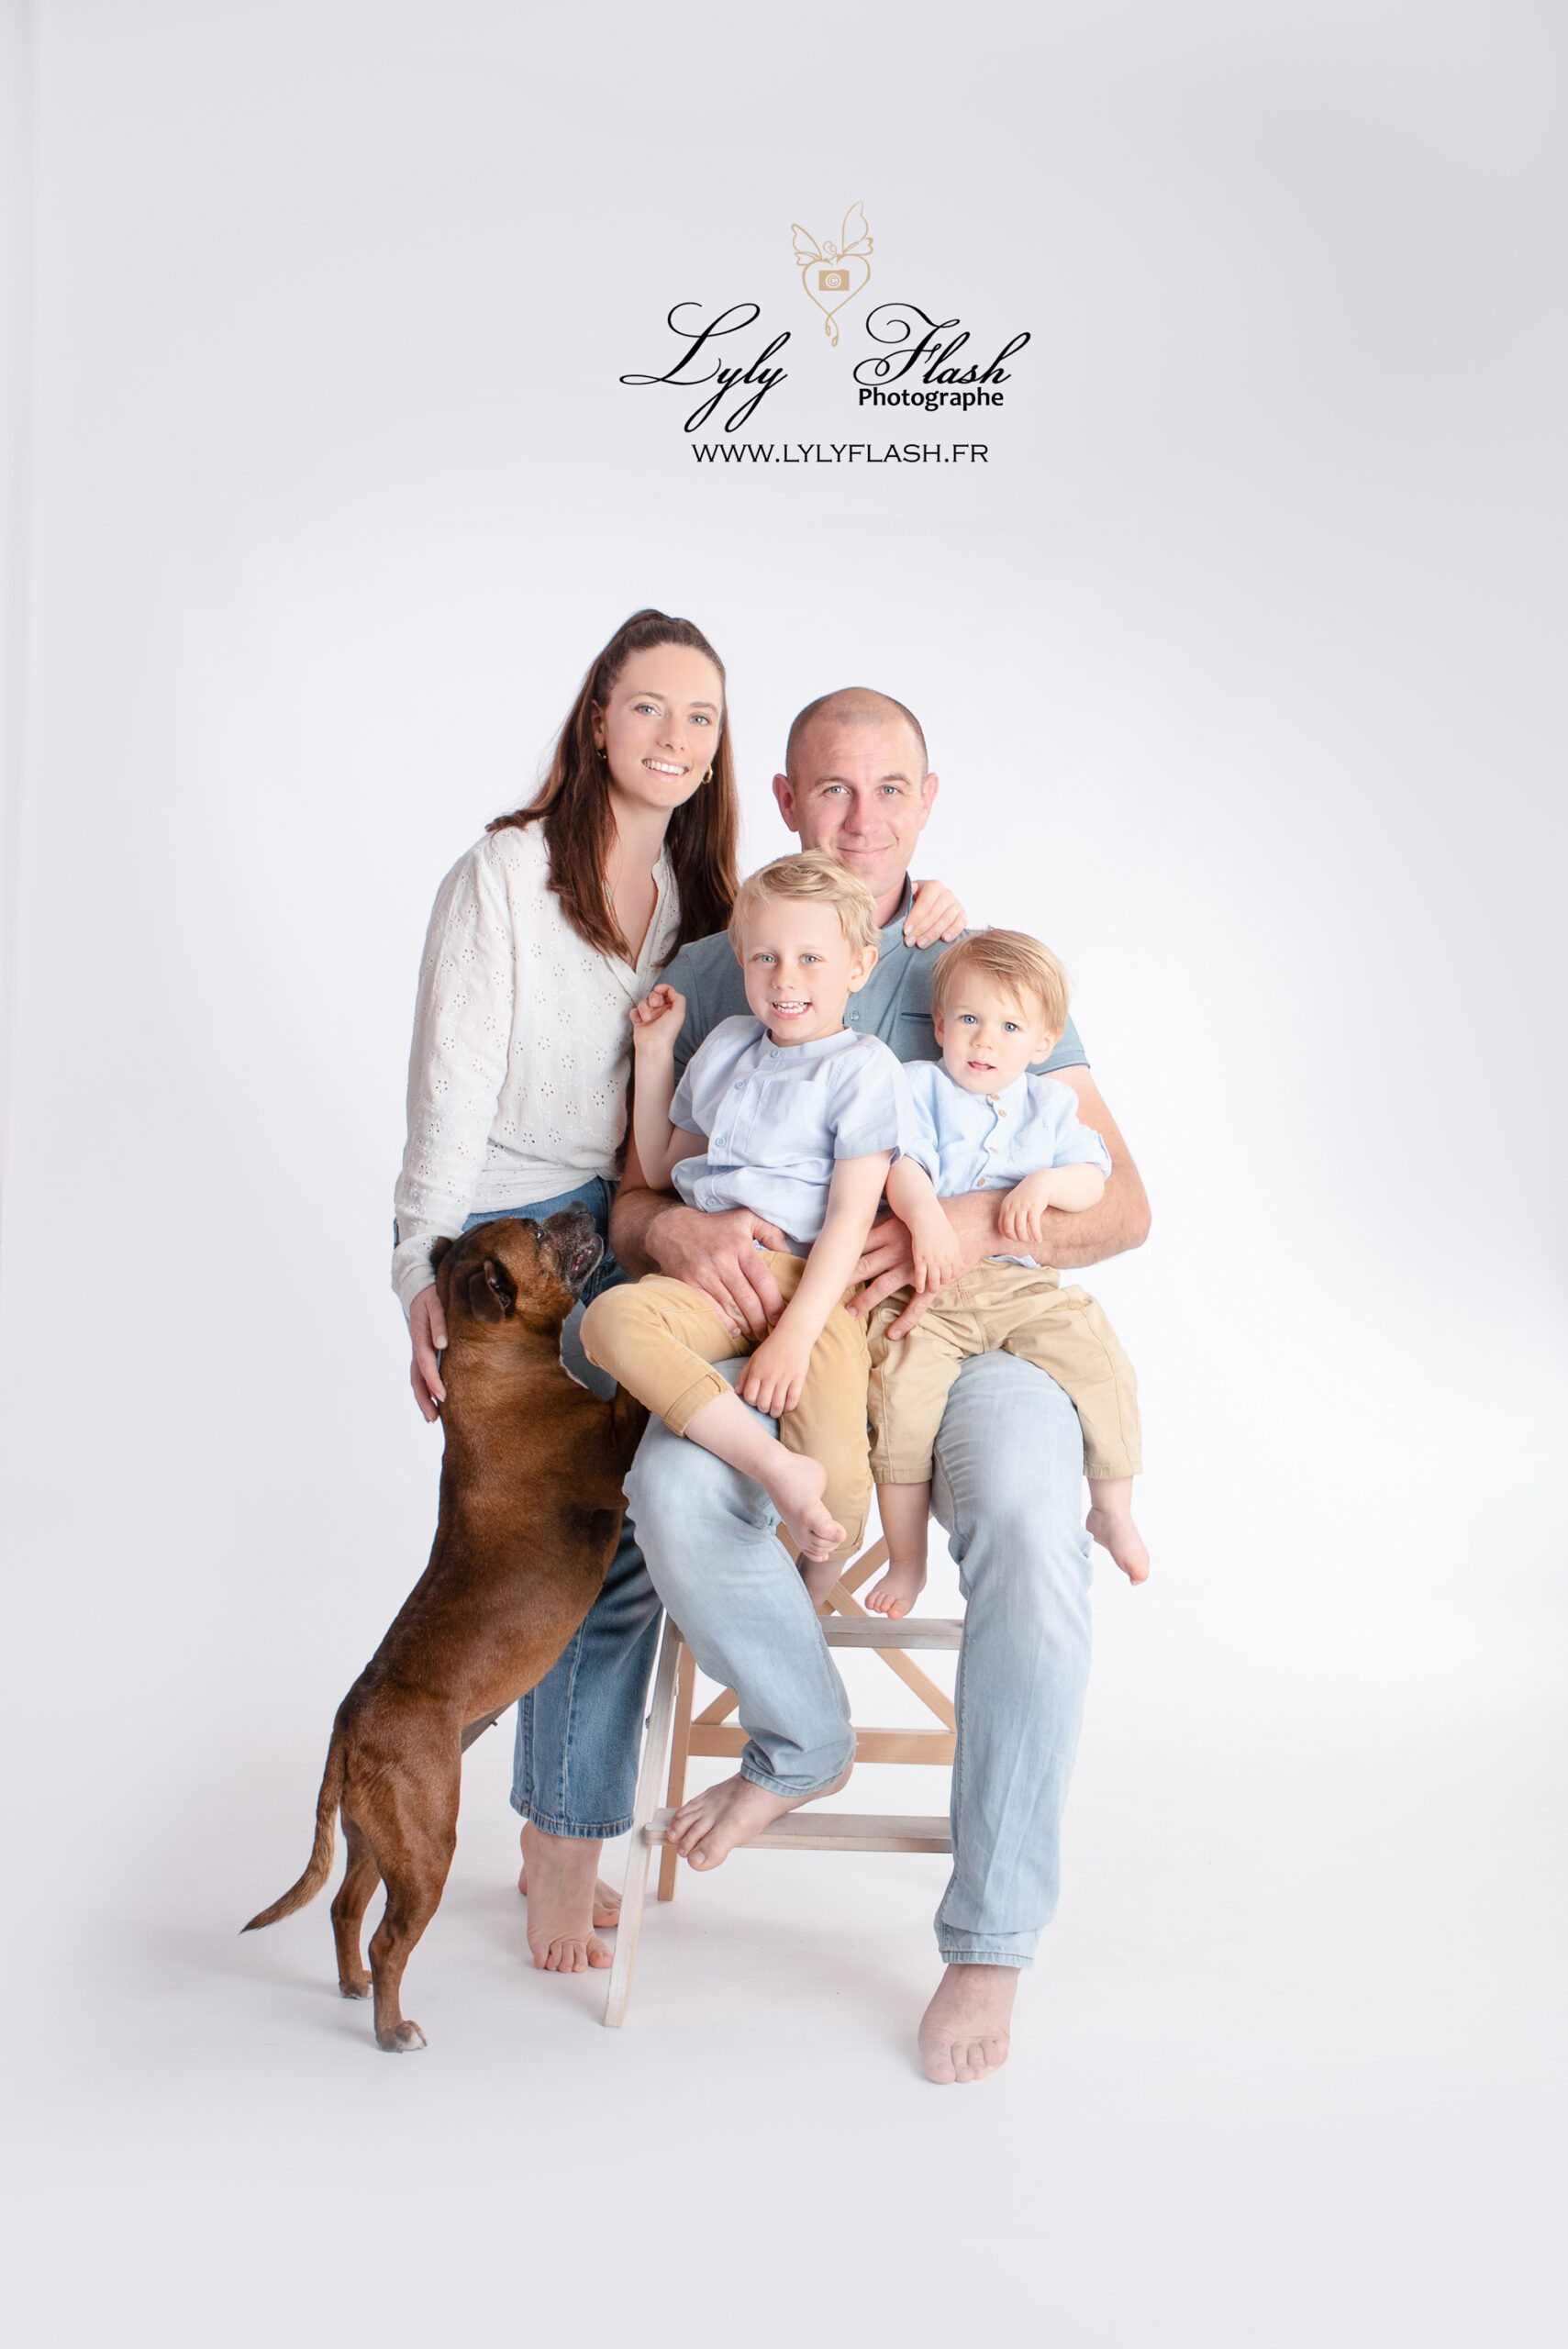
706,1829
963,2031
899,1589
607,1899
1115,1531
563,1871
795,1485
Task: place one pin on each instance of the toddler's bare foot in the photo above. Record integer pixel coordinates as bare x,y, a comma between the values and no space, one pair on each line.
1115,1532
607,1899
819,1575
706,1829
963,2031
795,1485
563,1870
899,1589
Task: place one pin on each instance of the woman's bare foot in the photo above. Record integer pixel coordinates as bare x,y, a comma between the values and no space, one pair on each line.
899,1589
706,1829
963,2031
794,1484
607,1899
1115,1532
563,1871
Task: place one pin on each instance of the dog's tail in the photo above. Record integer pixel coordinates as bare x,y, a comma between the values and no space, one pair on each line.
320,1862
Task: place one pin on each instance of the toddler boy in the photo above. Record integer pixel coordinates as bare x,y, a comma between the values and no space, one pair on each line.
983,1123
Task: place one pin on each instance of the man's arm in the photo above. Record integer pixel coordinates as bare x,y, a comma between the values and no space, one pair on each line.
652,1231
1120,1222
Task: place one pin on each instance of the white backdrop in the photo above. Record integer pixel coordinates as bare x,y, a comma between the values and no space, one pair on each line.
1241,664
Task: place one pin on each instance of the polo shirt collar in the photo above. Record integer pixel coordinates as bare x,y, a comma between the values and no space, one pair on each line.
892,932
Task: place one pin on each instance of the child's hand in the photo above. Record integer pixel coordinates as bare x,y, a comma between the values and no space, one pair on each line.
656,1019
773,1379
937,1252
1022,1213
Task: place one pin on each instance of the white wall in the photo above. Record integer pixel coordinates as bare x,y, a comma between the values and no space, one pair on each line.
1240,663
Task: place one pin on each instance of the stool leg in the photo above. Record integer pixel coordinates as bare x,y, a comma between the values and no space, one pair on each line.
680,1745
655,1745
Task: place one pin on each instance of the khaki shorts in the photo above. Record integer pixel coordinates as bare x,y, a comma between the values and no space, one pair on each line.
660,1338
999,1308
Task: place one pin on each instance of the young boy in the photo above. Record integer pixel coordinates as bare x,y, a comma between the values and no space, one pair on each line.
1000,1002
791,1113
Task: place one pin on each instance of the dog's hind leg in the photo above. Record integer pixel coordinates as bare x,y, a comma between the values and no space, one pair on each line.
416,1835
354,1894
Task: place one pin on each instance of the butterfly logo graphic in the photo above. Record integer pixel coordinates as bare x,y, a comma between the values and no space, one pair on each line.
832,273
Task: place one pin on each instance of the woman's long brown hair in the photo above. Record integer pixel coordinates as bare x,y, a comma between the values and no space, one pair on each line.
573,804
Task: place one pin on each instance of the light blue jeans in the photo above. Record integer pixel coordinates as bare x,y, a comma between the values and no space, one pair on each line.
1007,1487
575,1765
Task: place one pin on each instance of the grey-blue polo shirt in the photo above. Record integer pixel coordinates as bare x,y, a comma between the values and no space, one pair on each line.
894,1003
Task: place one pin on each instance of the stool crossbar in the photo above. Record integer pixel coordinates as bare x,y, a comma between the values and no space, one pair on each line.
674,1736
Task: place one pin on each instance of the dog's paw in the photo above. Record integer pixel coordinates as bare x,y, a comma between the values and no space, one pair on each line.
402,2040
356,1987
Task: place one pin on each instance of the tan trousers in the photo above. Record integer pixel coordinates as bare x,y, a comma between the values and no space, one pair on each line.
999,1308
660,1338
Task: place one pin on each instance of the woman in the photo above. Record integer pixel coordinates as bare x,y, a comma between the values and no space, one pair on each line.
543,937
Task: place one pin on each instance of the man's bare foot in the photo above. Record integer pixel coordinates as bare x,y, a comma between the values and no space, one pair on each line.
1115,1531
899,1589
794,1484
607,1899
706,1829
963,2031
563,1871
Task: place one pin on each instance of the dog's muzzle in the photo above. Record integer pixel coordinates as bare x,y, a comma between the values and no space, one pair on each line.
578,1247
581,1262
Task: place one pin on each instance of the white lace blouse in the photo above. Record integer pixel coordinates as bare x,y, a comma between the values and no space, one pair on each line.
522,1048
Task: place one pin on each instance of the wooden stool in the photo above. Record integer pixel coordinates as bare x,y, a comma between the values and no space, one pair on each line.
674,1736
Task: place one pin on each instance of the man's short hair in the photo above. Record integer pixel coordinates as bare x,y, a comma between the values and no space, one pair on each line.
1014,961
816,875
854,705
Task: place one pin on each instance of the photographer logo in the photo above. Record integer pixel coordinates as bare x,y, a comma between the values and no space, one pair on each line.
832,274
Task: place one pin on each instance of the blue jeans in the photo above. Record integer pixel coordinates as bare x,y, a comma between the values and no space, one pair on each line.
574,1765
1008,1489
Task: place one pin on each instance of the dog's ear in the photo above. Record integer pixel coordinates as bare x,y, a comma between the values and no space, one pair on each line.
491,1291
438,1251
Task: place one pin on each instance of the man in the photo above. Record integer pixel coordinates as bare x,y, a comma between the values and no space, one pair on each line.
1010,1458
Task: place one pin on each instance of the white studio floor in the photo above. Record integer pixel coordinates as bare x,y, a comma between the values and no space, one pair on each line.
1290,2072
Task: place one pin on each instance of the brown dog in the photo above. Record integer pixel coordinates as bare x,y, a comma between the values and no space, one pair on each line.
530,1514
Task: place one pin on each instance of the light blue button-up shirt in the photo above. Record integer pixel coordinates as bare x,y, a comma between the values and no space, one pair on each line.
779,1117
989,1141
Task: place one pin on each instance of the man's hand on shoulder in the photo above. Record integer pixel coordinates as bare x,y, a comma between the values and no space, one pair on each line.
935,916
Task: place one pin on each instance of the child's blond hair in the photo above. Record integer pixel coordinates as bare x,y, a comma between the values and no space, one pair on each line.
816,875
1018,963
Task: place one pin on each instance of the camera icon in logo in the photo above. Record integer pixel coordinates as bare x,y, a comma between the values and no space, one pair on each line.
832,281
